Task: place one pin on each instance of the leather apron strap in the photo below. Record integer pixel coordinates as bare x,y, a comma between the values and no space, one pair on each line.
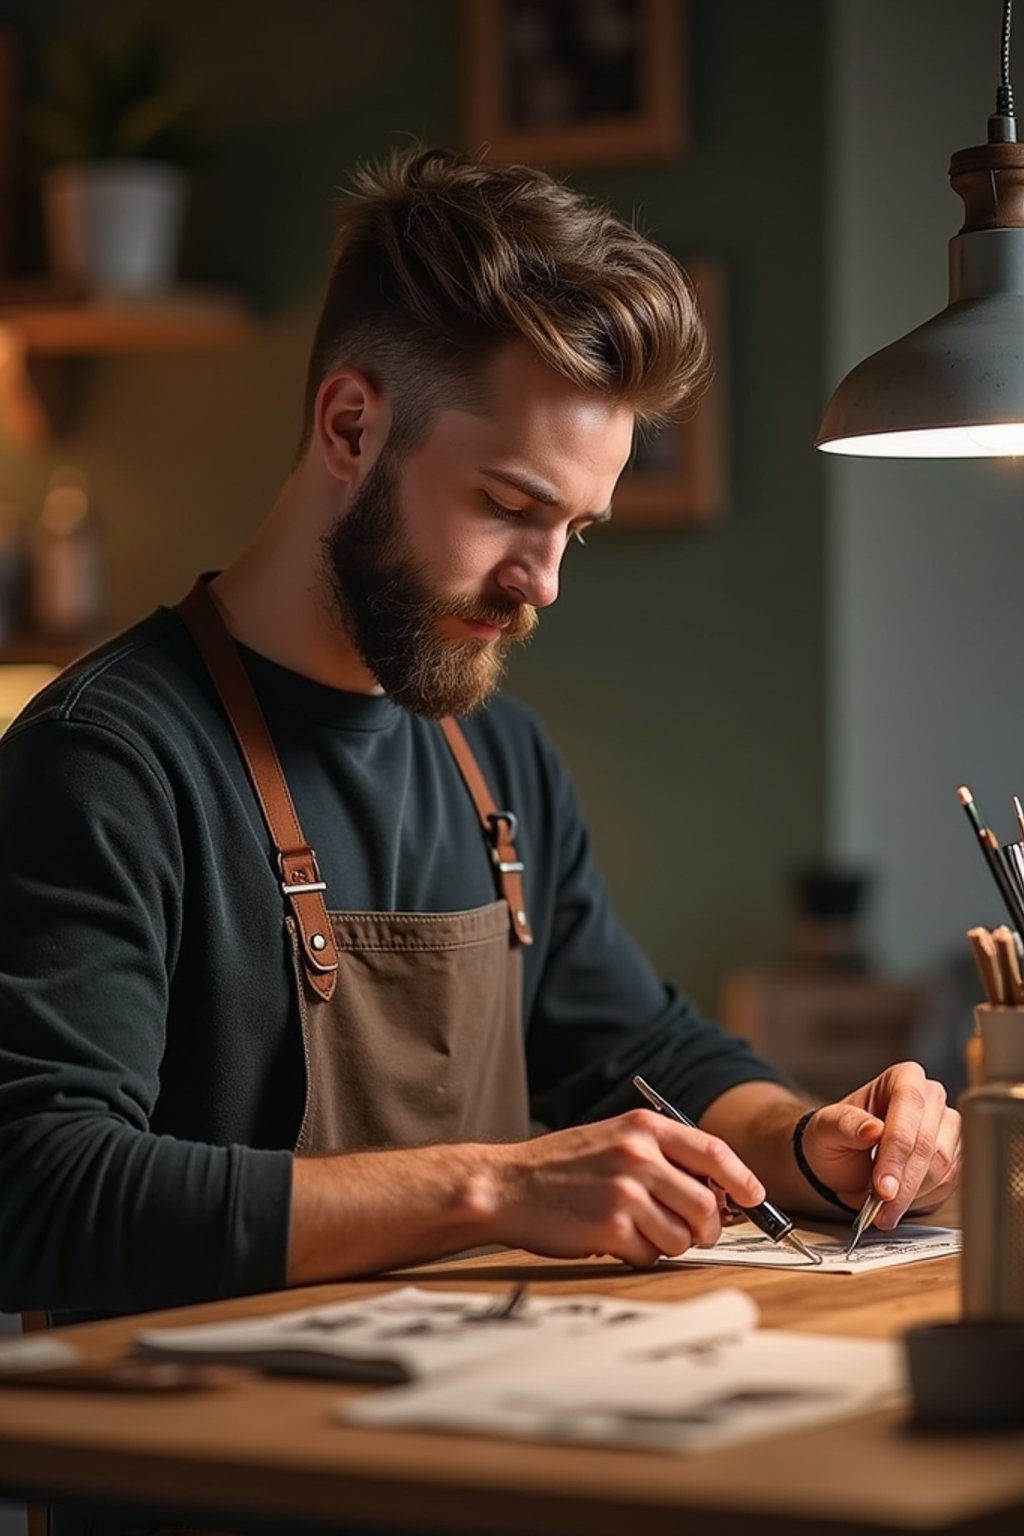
500,829
300,874
296,861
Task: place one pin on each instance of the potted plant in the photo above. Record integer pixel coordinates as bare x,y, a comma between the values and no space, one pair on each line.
115,137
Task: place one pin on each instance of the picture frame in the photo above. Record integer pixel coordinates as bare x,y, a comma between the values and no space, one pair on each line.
680,475
565,83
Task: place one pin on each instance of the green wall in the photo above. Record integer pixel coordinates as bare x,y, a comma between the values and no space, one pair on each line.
681,673
924,556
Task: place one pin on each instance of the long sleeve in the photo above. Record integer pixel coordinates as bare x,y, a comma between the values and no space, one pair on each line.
97,1212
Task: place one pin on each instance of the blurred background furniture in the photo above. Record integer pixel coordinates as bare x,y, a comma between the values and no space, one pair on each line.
829,1031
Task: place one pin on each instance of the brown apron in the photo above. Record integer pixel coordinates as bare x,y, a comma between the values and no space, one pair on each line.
411,1021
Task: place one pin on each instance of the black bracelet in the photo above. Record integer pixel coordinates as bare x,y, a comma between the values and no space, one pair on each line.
805,1167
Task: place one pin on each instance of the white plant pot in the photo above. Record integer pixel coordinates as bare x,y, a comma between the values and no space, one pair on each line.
114,227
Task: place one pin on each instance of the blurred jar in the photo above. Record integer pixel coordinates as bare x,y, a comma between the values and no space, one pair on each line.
11,567
65,559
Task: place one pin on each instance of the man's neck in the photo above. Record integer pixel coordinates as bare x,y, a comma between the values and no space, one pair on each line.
273,598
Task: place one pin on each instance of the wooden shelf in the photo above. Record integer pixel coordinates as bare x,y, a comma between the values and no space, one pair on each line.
30,650
39,331
180,322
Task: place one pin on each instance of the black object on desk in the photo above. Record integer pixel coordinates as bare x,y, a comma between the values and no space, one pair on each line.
967,1374
767,1217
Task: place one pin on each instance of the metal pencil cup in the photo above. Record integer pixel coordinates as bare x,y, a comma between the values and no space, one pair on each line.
993,1201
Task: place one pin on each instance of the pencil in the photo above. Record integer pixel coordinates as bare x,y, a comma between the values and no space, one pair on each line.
1019,811
993,857
1013,855
1009,965
984,950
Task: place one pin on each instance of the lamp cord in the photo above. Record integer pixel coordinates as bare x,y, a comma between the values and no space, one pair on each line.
1002,125
1004,93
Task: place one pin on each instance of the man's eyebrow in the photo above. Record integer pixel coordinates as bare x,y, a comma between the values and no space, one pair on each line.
537,490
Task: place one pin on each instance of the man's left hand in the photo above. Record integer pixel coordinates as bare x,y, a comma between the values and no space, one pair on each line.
905,1116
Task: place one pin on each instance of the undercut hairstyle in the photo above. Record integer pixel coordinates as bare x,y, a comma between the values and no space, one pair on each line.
441,258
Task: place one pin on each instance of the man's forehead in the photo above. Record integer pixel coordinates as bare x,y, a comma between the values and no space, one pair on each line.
527,412
515,373
538,449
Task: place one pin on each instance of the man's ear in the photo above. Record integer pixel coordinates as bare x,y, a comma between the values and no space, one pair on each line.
350,424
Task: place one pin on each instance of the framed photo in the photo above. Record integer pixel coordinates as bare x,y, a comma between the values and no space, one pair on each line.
576,82
680,475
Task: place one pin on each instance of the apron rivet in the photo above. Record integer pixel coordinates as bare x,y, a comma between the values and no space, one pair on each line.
318,941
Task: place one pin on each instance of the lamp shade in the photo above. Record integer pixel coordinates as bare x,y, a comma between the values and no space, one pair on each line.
954,387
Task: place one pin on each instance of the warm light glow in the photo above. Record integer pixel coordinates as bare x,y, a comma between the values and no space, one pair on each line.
1003,439
18,684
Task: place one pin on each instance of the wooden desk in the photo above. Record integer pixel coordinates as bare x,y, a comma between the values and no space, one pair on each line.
268,1447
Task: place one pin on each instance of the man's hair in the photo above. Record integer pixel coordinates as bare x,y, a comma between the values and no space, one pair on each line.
440,259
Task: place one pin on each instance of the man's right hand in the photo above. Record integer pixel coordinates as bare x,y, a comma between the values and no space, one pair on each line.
634,1187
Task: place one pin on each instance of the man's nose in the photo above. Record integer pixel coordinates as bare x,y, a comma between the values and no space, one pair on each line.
533,579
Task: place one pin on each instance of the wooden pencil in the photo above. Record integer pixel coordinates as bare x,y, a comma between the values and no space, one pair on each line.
985,958
1009,965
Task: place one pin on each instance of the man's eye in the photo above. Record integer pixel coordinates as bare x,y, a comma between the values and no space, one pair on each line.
508,514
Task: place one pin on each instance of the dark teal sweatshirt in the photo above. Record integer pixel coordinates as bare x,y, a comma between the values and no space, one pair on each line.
151,1062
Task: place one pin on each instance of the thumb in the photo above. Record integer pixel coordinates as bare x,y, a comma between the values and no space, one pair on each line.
846,1126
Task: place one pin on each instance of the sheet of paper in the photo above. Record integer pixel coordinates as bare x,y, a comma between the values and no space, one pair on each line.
744,1244
701,1376
36,1353
400,1336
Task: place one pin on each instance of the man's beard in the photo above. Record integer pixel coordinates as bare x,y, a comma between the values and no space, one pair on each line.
383,598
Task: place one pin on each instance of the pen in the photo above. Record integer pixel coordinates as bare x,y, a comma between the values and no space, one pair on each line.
865,1216
989,845
766,1216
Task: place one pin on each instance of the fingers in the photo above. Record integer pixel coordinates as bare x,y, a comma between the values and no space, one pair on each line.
708,1156
639,1186
673,1206
642,1229
658,1194
674,1180
944,1174
903,1120
851,1127
917,1145
940,1176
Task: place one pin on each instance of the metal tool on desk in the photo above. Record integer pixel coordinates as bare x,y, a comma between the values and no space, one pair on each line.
865,1216
767,1217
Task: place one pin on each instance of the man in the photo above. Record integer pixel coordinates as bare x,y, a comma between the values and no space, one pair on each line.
290,964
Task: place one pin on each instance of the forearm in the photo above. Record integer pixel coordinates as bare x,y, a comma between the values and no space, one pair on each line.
99,1217
757,1120
363,1212
617,1186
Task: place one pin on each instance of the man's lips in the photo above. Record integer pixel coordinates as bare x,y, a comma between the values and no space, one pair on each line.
482,631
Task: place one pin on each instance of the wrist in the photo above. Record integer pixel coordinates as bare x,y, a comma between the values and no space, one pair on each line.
476,1192
803,1165
360,1212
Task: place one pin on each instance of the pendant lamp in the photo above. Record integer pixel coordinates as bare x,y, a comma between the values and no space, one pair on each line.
954,387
